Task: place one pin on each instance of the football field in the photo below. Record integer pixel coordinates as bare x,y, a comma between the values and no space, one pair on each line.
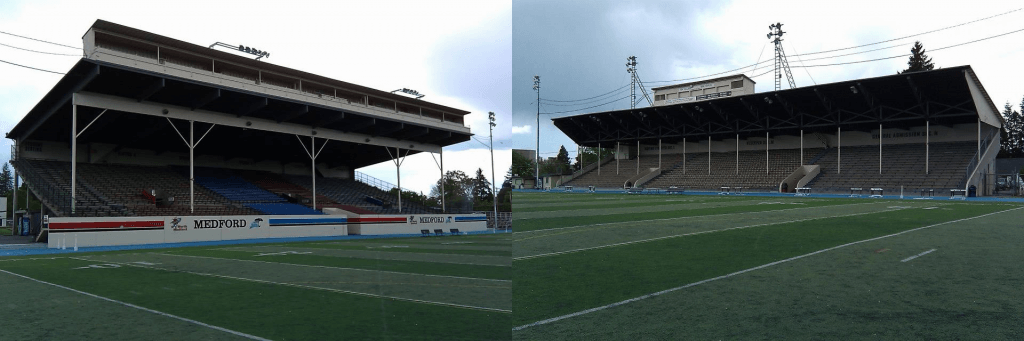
424,288
628,267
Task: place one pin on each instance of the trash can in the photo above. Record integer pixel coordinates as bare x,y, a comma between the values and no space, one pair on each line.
24,226
972,191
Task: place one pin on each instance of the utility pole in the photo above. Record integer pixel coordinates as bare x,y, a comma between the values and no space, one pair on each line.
536,174
494,189
780,57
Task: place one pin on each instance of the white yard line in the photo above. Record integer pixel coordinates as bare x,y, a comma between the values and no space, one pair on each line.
693,217
917,255
454,305
251,337
696,233
332,267
659,293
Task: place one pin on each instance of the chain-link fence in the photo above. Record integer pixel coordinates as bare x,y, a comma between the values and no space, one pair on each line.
1006,184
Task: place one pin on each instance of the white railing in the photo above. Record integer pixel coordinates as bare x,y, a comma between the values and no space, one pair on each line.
378,183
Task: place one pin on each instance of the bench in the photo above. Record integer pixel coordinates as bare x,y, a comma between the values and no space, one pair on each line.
674,189
635,190
438,232
724,190
803,191
958,194
455,232
424,233
856,192
931,192
568,188
876,189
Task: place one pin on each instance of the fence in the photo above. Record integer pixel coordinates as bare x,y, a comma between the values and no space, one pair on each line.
504,220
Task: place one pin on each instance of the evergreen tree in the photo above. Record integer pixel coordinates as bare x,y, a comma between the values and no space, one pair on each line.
6,180
918,60
457,190
1012,134
521,167
482,191
562,160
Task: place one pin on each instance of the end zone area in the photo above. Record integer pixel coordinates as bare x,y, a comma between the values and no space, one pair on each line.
436,288
607,266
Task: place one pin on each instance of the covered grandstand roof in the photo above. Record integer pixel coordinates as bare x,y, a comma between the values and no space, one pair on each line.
244,97
945,97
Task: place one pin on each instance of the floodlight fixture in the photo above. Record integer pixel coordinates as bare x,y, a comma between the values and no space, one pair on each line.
246,49
853,89
411,92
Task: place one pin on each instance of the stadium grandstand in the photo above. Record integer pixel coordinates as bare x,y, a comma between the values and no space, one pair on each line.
922,133
147,125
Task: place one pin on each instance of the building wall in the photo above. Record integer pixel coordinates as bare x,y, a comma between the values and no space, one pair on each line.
700,91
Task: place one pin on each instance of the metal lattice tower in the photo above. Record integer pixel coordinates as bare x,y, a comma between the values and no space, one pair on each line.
635,80
536,174
780,57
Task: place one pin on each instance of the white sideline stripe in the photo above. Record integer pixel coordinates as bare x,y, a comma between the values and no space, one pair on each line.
251,337
659,293
454,305
695,217
15,260
331,267
696,233
242,249
917,255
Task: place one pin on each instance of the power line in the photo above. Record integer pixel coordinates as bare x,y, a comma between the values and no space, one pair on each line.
845,48
602,104
56,54
620,90
584,99
29,67
43,41
913,35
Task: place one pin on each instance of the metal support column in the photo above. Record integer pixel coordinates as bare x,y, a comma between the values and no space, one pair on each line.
74,151
737,154
927,136
801,147
191,143
398,159
637,157
709,154
879,148
441,167
599,152
617,158
766,152
659,153
312,152
839,151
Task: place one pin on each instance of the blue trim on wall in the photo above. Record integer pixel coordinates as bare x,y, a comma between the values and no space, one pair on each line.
307,221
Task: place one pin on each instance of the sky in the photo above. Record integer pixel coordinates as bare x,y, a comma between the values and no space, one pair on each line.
579,48
458,53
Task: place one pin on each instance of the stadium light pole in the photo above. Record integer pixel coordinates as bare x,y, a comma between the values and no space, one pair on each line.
494,189
536,174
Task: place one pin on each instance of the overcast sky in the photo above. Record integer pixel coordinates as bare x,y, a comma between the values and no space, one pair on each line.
579,48
458,53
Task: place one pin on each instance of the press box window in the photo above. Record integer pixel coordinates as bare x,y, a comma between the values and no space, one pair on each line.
659,97
737,84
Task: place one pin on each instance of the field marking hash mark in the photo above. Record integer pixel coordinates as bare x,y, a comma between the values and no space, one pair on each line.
917,255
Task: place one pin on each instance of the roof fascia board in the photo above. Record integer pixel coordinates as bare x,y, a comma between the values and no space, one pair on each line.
986,110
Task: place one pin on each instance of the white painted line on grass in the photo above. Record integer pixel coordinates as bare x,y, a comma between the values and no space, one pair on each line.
251,337
15,260
696,233
917,255
453,305
691,217
583,312
332,267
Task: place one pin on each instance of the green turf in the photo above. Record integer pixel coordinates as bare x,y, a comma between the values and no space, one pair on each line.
667,200
426,268
626,215
552,286
968,289
268,310
407,249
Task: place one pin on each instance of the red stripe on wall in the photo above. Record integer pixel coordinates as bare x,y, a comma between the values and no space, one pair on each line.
106,224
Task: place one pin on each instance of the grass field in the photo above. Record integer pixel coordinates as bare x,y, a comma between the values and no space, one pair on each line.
5,231
628,267
437,288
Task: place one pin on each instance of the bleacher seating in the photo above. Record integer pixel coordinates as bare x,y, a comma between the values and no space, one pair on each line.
752,173
283,209
627,170
351,193
902,165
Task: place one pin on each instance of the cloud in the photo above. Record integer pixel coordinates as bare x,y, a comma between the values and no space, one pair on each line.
520,129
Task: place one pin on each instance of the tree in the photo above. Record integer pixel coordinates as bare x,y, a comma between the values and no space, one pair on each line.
6,179
482,191
521,167
918,60
457,190
562,160
1012,135
589,155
